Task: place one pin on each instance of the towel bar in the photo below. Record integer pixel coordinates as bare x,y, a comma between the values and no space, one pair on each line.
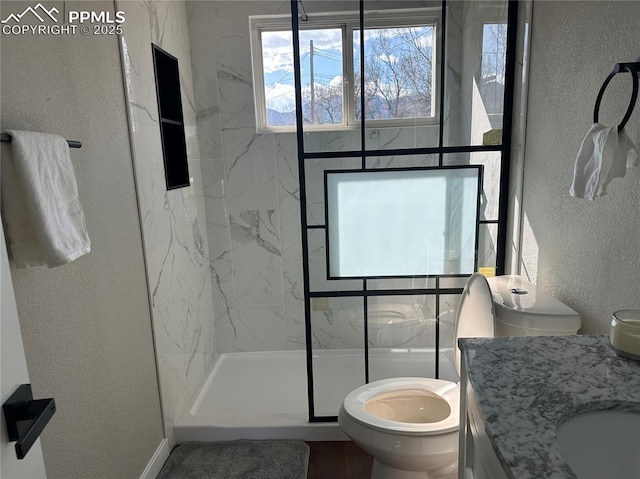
634,69
6,138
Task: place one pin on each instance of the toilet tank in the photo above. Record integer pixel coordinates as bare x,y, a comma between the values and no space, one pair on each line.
523,309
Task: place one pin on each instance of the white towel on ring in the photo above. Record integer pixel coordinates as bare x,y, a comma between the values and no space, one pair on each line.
604,155
43,216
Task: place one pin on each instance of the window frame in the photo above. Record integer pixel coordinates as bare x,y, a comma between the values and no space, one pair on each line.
347,22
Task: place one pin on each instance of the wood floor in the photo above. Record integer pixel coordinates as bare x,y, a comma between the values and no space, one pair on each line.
338,460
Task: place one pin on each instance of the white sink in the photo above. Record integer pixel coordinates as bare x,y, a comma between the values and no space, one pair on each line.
602,444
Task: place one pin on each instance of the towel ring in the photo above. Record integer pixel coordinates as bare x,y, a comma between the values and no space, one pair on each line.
620,67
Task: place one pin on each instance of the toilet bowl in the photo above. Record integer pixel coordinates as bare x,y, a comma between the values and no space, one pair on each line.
410,425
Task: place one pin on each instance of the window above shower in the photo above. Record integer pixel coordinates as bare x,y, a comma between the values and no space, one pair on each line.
400,67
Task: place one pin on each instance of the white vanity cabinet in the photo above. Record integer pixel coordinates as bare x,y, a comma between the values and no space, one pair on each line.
477,459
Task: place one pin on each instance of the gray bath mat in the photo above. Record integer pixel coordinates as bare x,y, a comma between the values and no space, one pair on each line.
237,460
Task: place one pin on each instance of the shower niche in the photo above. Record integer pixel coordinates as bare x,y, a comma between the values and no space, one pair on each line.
171,119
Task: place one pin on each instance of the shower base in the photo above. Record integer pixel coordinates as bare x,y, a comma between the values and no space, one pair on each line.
263,395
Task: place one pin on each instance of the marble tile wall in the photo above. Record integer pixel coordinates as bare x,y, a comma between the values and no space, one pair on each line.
251,188
174,225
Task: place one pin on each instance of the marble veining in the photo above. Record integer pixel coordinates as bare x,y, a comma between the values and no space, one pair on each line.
174,224
526,387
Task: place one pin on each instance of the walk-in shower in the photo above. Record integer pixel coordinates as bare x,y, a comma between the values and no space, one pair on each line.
402,112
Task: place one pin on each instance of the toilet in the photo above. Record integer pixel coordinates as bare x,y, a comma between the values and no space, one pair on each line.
522,309
410,425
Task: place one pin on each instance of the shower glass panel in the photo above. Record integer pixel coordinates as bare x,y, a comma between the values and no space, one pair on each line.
489,202
337,350
447,311
318,277
401,336
402,283
488,246
315,185
407,87
401,60
475,77
490,160
453,283
413,314
324,105
326,75
401,161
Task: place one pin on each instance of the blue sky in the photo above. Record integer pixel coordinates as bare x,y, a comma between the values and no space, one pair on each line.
278,63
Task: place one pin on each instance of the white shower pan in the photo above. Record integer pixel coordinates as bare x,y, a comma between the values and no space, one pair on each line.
263,395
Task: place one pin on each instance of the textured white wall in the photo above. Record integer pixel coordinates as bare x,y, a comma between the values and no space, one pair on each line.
585,253
86,325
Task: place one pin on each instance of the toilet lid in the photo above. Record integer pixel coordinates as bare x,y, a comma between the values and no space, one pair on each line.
475,318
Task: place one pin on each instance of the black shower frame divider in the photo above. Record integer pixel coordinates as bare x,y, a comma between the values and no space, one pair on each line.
504,148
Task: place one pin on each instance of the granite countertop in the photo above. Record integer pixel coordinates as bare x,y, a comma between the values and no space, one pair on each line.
526,387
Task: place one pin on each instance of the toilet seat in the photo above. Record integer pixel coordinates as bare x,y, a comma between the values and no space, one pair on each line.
354,405
476,302
426,444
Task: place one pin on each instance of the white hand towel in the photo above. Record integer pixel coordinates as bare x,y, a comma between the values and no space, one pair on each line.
43,217
631,150
625,156
604,155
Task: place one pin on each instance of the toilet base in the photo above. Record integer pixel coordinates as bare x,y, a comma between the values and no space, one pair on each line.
385,471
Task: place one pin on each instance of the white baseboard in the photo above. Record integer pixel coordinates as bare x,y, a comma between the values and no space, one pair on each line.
157,460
